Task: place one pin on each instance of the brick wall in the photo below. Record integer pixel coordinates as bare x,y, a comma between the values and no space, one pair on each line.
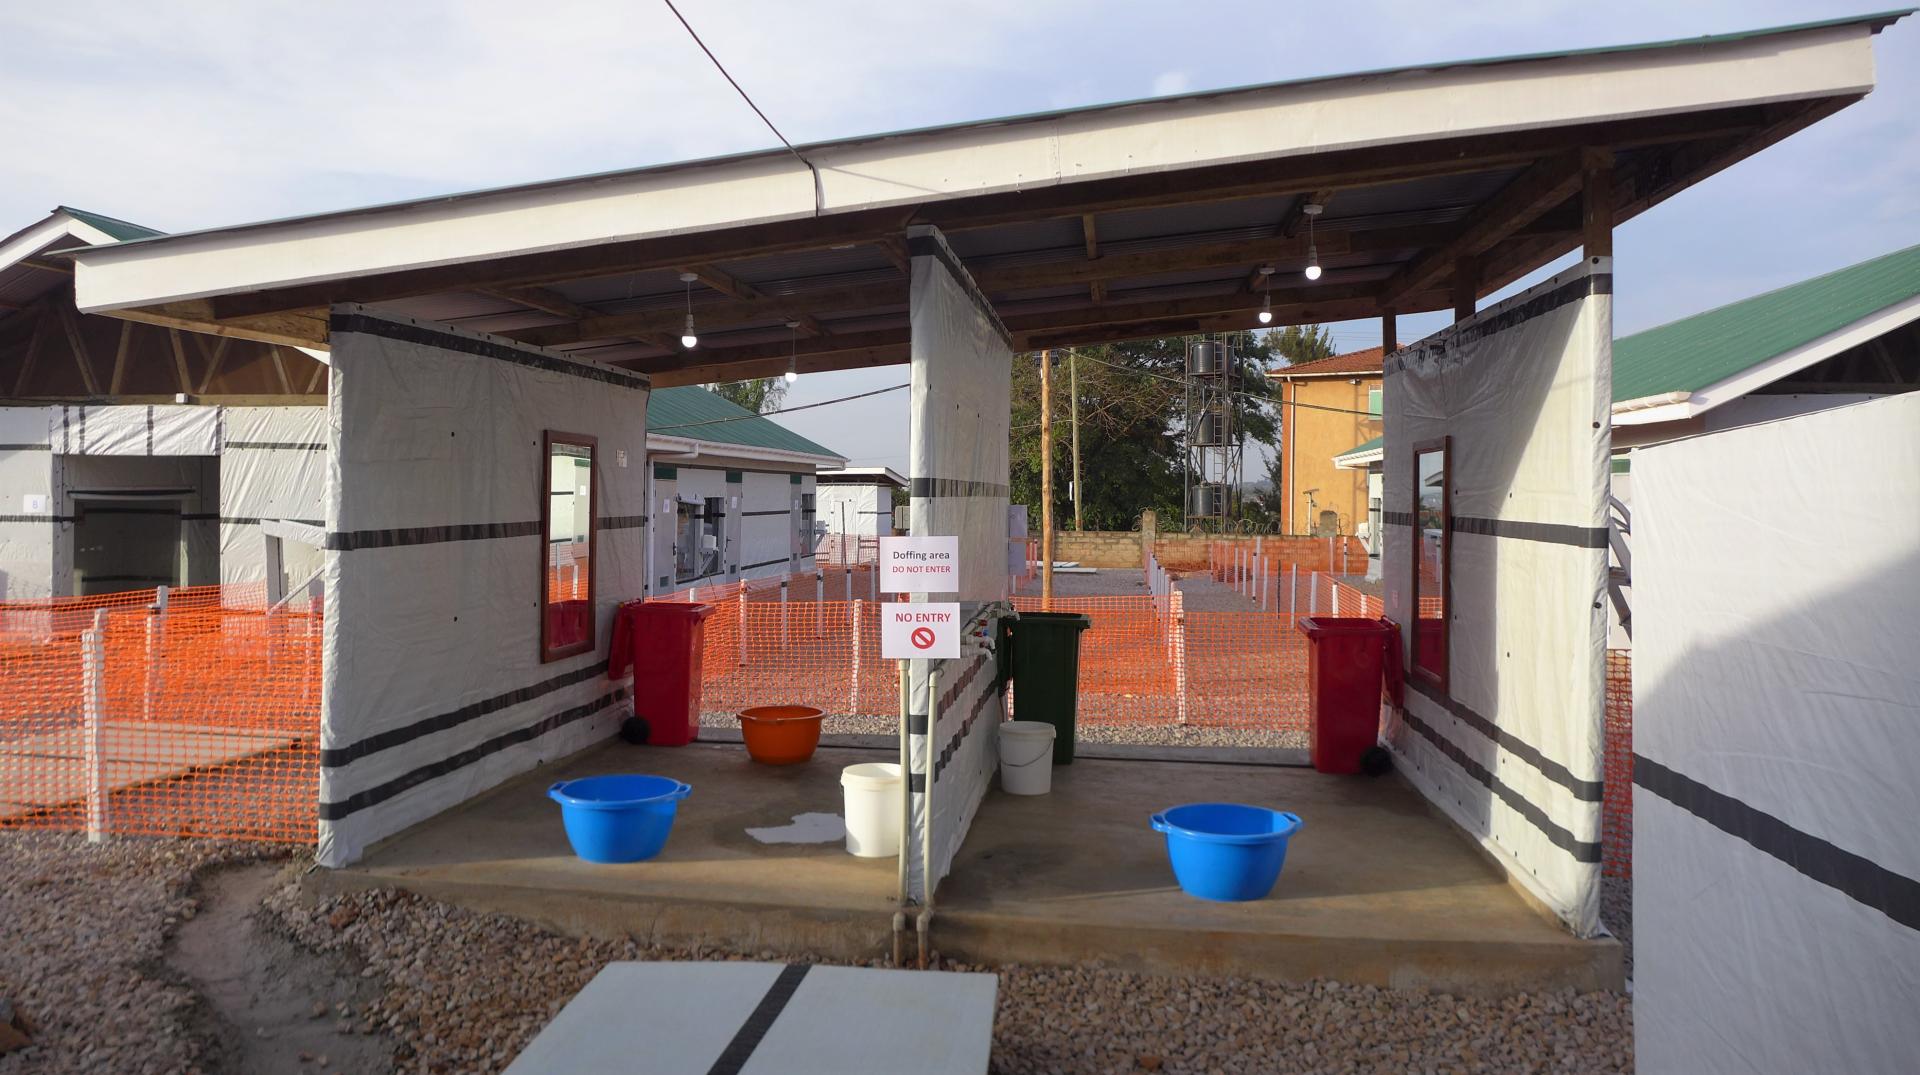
1187,552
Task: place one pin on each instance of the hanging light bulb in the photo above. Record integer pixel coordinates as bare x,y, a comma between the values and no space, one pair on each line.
793,351
1266,303
688,339
1311,210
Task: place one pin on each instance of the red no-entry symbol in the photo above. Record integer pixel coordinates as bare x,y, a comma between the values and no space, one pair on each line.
922,638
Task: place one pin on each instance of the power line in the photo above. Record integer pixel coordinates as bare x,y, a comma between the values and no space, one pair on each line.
718,66
783,410
1238,392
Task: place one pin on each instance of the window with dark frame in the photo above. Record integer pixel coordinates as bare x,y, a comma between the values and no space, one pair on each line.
569,529
803,535
1432,546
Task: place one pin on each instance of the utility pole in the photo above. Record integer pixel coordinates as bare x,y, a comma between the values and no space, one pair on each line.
1073,385
1046,479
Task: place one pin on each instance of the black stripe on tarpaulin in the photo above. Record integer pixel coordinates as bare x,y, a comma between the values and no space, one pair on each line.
934,487
519,356
66,444
277,445
1855,876
352,540
1580,537
90,509
26,447
933,246
757,514
1397,518
1581,850
734,1057
917,783
764,563
352,804
1435,347
167,579
37,518
1584,790
335,757
620,522
149,429
83,431
255,520
960,734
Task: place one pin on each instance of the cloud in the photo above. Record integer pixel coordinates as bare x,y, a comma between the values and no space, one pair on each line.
1168,83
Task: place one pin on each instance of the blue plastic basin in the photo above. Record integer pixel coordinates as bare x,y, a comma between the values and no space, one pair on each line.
618,818
1226,851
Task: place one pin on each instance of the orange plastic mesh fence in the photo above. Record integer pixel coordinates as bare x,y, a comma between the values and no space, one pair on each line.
1616,805
203,720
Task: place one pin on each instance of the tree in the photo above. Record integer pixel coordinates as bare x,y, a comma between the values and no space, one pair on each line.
1301,343
1132,407
760,395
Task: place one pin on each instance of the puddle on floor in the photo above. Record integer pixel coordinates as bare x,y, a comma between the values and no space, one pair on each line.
805,829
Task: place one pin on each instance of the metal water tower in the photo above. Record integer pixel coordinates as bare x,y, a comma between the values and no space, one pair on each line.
1214,436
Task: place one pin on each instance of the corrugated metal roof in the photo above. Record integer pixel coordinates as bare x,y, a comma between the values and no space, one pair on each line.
1365,446
121,230
697,414
1707,348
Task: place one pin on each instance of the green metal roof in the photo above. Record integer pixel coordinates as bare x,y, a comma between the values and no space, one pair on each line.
1707,348
121,230
697,414
1368,446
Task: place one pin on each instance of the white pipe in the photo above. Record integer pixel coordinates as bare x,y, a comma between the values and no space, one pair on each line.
1643,403
927,881
906,825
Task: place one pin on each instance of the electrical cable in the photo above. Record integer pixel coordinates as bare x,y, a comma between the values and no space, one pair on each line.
818,194
1237,392
783,410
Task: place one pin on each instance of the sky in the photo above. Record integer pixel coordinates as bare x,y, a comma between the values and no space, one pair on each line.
200,113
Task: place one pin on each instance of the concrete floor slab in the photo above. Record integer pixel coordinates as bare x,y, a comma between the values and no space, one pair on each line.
1378,887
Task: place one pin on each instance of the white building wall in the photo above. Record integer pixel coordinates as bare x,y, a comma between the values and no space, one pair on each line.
273,465
1776,735
433,687
30,519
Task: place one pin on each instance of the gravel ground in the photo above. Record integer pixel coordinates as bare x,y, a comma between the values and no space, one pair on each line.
466,992
86,929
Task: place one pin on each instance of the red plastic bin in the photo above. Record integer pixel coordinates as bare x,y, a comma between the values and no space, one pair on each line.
662,640
1346,663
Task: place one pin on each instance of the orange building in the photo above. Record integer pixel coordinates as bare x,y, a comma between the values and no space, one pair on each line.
1317,497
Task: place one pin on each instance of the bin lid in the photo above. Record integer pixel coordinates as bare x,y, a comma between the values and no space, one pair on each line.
1320,626
1063,619
683,609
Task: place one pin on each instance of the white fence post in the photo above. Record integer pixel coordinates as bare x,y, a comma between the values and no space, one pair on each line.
1293,590
853,688
156,619
93,715
1266,584
819,602
783,614
1313,593
1180,656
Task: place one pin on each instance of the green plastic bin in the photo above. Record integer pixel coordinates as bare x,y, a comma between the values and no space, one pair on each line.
1046,673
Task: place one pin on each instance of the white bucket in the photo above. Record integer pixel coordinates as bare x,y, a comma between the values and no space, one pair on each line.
1026,757
872,794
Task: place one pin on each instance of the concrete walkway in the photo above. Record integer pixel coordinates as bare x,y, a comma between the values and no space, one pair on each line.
1377,889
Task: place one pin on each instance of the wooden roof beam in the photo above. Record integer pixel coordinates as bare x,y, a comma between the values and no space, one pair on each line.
1253,179
1297,212
1542,187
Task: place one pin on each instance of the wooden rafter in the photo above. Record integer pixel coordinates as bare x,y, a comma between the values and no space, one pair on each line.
1544,185
77,344
1297,212
735,288
34,343
216,354
180,360
280,367
120,359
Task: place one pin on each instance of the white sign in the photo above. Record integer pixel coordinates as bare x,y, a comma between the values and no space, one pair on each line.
930,629
34,503
919,565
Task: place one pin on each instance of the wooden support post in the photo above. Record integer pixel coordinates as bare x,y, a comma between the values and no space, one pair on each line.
1466,286
1073,388
1046,480
1389,331
1596,202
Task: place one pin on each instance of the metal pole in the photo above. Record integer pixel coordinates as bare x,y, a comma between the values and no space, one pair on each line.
1073,386
156,623
906,821
1293,590
93,714
1046,479
783,614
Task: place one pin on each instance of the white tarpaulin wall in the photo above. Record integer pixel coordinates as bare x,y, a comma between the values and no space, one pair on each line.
273,466
1776,695
433,688
1511,748
962,382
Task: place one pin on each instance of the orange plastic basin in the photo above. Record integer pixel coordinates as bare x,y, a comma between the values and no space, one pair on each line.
780,734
